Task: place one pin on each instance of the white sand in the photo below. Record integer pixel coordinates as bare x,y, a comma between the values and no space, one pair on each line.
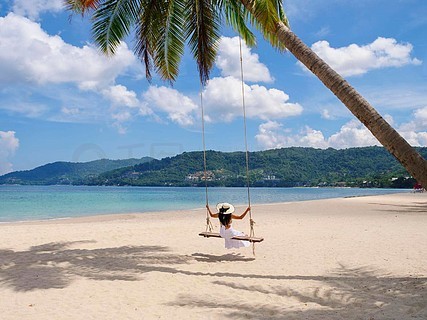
354,258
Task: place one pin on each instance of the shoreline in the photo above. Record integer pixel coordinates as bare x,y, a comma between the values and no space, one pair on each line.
165,211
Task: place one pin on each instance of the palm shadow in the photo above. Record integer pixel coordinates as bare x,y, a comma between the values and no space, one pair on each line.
56,265
417,207
348,293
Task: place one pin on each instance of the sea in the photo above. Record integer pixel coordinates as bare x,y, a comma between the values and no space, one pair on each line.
27,203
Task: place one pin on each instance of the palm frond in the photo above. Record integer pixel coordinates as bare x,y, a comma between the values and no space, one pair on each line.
265,14
113,21
91,3
236,16
162,28
202,30
169,46
147,33
81,6
282,13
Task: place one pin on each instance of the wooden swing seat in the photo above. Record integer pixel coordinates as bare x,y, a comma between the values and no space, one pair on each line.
243,238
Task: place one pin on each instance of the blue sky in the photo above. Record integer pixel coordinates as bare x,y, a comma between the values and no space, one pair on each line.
60,100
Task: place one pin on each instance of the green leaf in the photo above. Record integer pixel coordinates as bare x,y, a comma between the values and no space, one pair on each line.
170,44
265,14
148,31
236,16
203,21
113,21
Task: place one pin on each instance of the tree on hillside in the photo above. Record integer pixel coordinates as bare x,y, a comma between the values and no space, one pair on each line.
163,28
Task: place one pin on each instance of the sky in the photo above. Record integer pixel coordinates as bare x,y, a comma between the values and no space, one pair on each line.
62,100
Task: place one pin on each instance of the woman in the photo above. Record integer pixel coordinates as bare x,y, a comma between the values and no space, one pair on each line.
225,216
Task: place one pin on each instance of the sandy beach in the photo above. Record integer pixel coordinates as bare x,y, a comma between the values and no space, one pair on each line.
352,258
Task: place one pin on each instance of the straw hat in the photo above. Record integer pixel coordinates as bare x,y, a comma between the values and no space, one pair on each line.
225,208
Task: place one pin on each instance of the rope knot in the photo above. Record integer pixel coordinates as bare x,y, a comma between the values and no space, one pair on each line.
209,226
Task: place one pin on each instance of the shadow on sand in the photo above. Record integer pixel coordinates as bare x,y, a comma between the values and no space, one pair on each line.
54,265
349,293
202,257
416,208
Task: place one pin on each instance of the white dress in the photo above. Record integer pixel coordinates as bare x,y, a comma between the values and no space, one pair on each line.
230,243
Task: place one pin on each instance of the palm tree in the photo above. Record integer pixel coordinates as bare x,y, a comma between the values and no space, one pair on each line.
162,29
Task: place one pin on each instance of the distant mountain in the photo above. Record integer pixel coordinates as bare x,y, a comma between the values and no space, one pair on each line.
286,167
67,172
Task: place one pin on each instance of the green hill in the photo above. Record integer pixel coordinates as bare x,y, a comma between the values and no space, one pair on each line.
67,172
287,167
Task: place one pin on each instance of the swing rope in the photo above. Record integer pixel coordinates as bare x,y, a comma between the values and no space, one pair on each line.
251,221
209,226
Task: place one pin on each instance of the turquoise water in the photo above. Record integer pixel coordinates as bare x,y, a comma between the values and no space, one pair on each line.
21,203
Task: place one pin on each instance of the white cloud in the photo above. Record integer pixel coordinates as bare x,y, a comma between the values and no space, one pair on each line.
420,116
120,96
415,131
33,8
125,106
180,108
120,118
415,138
272,135
228,61
313,138
357,60
327,115
29,55
33,61
352,134
8,146
223,101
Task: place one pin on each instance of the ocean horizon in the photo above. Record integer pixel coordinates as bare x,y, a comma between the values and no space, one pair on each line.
29,203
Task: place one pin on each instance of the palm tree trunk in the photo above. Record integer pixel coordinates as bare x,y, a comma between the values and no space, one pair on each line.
386,135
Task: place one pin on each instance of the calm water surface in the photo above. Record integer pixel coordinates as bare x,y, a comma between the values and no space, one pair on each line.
20,203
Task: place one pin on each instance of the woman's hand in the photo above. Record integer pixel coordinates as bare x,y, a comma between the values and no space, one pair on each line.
213,215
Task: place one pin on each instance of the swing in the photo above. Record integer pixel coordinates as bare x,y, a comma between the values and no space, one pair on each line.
208,233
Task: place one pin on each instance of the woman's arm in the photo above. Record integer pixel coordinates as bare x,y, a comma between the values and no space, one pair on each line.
242,215
213,215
